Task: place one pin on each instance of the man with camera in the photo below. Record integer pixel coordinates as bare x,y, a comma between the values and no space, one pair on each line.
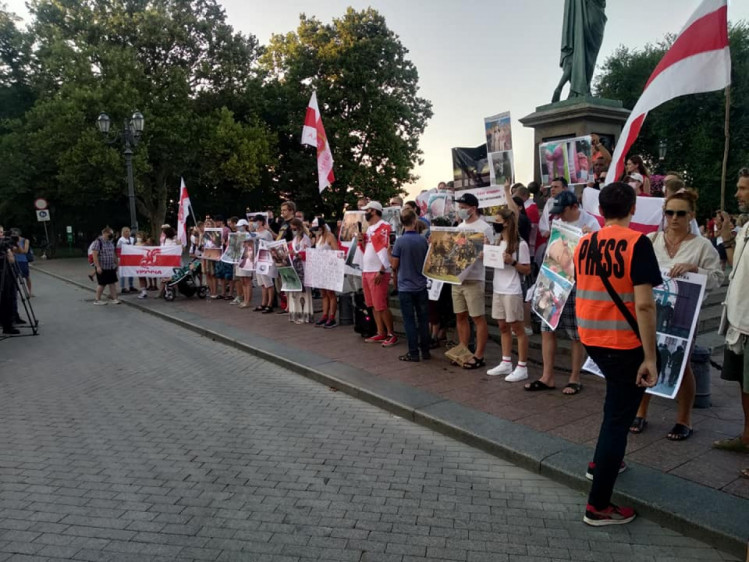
8,311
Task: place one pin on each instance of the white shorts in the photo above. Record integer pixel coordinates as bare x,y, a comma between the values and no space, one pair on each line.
507,307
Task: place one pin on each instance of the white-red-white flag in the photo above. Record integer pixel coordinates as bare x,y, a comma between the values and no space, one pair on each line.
183,213
313,134
699,61
648,211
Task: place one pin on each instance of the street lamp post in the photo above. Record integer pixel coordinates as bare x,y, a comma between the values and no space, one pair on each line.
662,149
129,136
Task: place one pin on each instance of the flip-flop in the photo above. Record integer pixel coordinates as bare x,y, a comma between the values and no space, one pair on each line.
575,386
735,445
679,432
538,385
638,425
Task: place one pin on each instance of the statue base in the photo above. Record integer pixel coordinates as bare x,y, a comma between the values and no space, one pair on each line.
576,117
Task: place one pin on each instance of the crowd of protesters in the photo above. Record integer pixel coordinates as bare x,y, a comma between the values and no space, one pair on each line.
392,266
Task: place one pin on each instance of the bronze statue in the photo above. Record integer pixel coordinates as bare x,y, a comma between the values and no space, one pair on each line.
582,34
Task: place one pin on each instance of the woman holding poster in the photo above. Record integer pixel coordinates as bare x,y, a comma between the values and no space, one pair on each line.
679,252
300,302
326,240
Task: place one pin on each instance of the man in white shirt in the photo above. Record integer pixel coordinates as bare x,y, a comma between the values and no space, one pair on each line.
469,298
558,185
566,208
376,273
736,354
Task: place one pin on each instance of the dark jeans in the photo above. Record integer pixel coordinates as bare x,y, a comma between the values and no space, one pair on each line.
415,308
623,398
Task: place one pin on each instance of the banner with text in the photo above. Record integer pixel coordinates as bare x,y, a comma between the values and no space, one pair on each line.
149,261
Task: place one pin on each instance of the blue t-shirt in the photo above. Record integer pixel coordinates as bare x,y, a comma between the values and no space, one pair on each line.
411,250
20,257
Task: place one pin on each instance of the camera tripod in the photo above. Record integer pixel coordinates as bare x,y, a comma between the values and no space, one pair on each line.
12,289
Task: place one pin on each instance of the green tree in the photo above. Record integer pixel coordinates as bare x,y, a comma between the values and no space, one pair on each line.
692,126
367,90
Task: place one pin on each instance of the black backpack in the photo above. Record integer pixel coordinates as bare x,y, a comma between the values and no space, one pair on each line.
364,322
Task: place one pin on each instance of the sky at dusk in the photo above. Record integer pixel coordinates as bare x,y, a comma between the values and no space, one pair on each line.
476,58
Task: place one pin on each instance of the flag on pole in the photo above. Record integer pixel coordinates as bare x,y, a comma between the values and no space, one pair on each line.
313,134
699,61
183,213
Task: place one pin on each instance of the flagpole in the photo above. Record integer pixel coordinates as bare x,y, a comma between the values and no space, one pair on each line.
725,151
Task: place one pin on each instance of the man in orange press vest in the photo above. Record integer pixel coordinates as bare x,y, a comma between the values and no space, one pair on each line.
616,270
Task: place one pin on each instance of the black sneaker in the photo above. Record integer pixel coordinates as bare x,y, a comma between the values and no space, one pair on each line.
612,515
321,322
592,467
330,324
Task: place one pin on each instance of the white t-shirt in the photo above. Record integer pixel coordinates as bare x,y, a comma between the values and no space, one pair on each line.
585,219
507,280
122,241
376,259
477,272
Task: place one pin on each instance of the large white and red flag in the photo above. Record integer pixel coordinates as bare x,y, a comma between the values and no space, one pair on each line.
648,211
313,134
183,213
149,261
699,61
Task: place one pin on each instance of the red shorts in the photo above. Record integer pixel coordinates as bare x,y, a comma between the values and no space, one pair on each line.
376,296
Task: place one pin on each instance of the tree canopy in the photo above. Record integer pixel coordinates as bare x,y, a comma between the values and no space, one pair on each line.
221,110
692,126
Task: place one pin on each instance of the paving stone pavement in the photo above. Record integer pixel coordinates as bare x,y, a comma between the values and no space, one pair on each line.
124,437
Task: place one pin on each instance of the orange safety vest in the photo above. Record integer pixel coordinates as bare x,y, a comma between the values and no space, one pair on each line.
599,322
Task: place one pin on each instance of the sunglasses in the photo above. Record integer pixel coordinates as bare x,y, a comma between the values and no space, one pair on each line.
671,213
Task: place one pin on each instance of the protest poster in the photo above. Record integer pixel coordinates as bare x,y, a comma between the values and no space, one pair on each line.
451,253
149,261
279,253
249,251
435,289
470,167
250,215
353,223
678,302
392,216
498,131
263,260
290,281
500,168
492,196
422,201
325,269
568,158
354,259
212,241
441,204
494,256
556,278
234,247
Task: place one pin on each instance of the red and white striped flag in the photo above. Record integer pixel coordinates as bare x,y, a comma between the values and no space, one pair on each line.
313,134
648,211
183,213
699,61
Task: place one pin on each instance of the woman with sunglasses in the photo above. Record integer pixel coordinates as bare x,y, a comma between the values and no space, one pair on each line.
679,251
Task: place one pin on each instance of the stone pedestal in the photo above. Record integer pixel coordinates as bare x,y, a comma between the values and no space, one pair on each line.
575,118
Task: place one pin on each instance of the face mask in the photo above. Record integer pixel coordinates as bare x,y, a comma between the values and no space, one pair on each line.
499,228
368,216
256,225
464,214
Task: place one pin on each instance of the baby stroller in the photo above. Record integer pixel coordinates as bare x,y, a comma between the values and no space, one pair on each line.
185,280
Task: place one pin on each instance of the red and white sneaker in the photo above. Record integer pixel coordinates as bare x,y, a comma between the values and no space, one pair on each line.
377,338
592,469
612,515
390,341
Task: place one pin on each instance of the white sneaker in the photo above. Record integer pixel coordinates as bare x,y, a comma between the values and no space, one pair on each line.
519,374
116,301
99,302
143,295
236,300
528,331
504,368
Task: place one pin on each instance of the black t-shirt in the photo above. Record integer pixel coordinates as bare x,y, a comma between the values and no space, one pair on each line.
645,268
524,227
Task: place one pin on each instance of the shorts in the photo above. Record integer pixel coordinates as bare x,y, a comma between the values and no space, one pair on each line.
507,307
223,270
265,281
106,277
376,296
209,267
736,368
567,320
469,297
23,268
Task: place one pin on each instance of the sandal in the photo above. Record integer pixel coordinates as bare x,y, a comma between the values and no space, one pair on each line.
735,445
576,387
638,425
679,432
538,385
408,357
475,363
258,309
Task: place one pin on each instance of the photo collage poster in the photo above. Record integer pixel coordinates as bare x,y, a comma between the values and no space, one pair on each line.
249,252
451,253
571,159
678,302
470,167
212,244
556,278
280,257
498,131
234,247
